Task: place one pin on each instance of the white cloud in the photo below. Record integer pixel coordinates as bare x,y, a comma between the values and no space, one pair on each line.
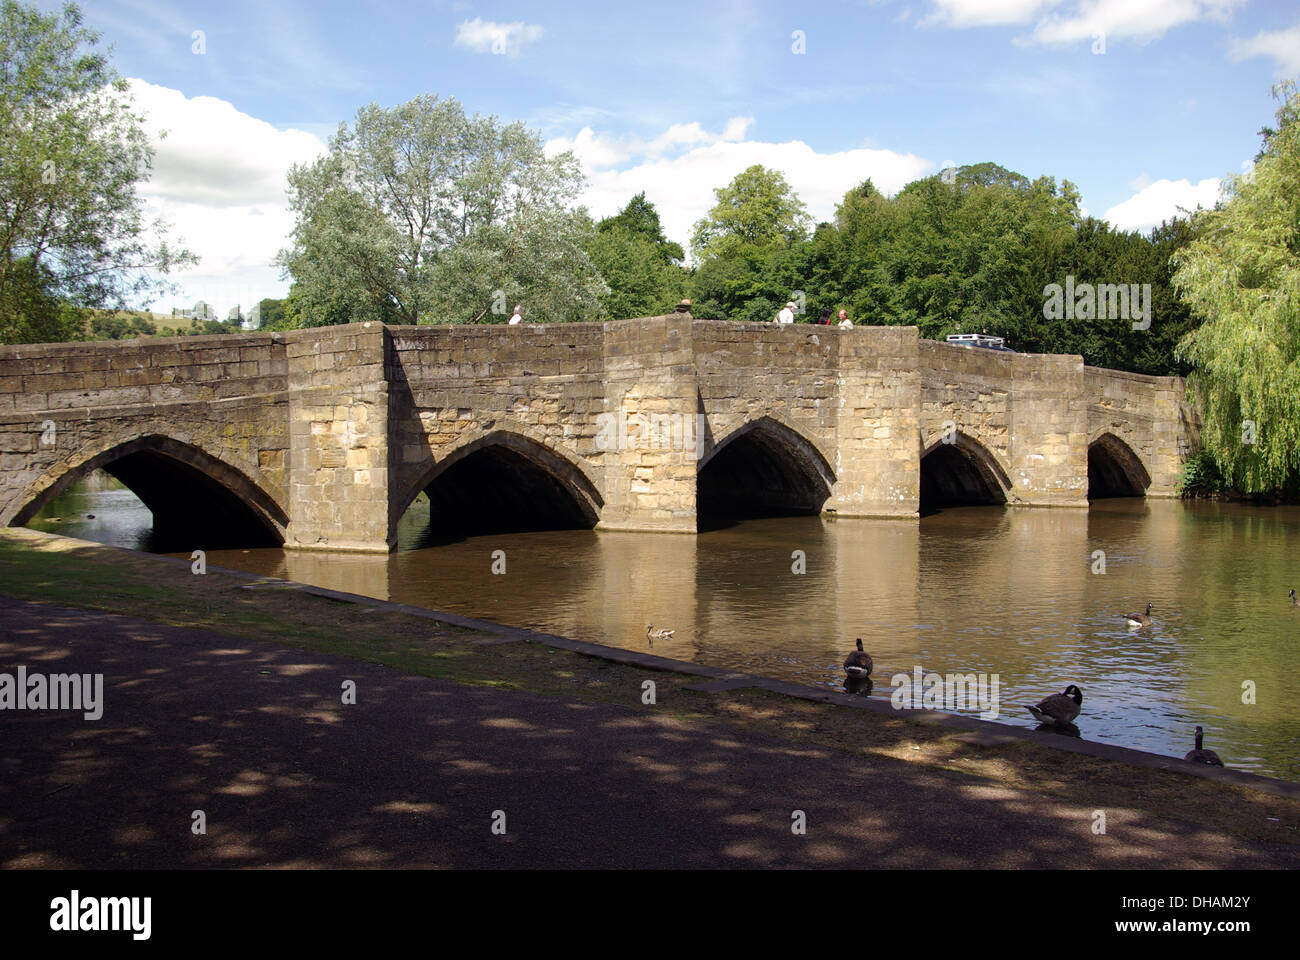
596,150
983,13
592,149
1058,22
1160,201
1140,20
219,179
681,185
504,39
737,127
1282,45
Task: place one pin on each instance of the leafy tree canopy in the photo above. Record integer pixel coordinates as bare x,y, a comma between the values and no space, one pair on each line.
1241,276
755,213
421,214
73,232
638,263
640,219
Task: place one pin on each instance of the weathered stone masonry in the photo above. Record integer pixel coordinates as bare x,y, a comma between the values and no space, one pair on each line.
325,436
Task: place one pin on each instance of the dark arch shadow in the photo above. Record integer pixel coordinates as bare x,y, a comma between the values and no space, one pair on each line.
503,482
960,472
1114,470
761,469
197,501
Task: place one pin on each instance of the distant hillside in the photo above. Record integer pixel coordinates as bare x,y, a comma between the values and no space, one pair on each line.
130,324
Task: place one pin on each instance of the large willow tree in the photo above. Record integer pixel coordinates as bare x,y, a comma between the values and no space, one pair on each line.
1242,276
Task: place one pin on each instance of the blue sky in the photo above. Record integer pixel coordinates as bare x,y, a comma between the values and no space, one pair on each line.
675,98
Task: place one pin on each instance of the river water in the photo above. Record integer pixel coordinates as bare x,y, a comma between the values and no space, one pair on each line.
1022,594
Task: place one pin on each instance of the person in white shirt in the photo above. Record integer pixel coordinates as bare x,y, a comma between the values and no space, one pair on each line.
845,322
516,319
786,315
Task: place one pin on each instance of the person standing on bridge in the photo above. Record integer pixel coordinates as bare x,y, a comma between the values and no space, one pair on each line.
825,318
845,322
515,318
786,315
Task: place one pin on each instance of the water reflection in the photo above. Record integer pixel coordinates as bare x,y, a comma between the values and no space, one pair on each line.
860,686
1036,596
1060,729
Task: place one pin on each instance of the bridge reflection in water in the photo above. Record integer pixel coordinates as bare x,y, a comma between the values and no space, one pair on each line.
965,589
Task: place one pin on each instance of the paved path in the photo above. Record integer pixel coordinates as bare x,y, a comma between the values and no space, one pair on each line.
254,735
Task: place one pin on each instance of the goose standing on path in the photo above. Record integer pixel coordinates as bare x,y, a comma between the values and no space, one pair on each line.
1060,709
858,663
1139,620
1203,756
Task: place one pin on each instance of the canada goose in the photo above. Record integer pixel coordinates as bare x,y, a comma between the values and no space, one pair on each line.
1136,620
1203,756
652,634
858,663
1060,709
1294,601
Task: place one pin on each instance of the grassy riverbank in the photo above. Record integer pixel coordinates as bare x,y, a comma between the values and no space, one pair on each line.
73,573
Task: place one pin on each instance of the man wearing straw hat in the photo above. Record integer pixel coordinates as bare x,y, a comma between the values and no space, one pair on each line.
786,315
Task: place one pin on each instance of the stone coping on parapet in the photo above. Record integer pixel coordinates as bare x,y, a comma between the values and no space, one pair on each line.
983,732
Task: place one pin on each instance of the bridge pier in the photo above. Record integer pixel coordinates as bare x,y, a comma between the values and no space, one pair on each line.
338,439
647,438
1048,462
878,427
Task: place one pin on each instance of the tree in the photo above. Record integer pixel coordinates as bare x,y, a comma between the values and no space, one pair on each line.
272,313
1097,253
757,212
637,262
741,247
121,326
72,228
959,256
640,219
420,214
1241,275
854,249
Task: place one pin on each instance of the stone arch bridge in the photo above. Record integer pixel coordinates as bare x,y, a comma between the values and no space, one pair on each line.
321,438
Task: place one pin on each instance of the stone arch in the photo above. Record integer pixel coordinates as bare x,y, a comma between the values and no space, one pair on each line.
194,496
496,470
956,468
1114,468
762,467
732,428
